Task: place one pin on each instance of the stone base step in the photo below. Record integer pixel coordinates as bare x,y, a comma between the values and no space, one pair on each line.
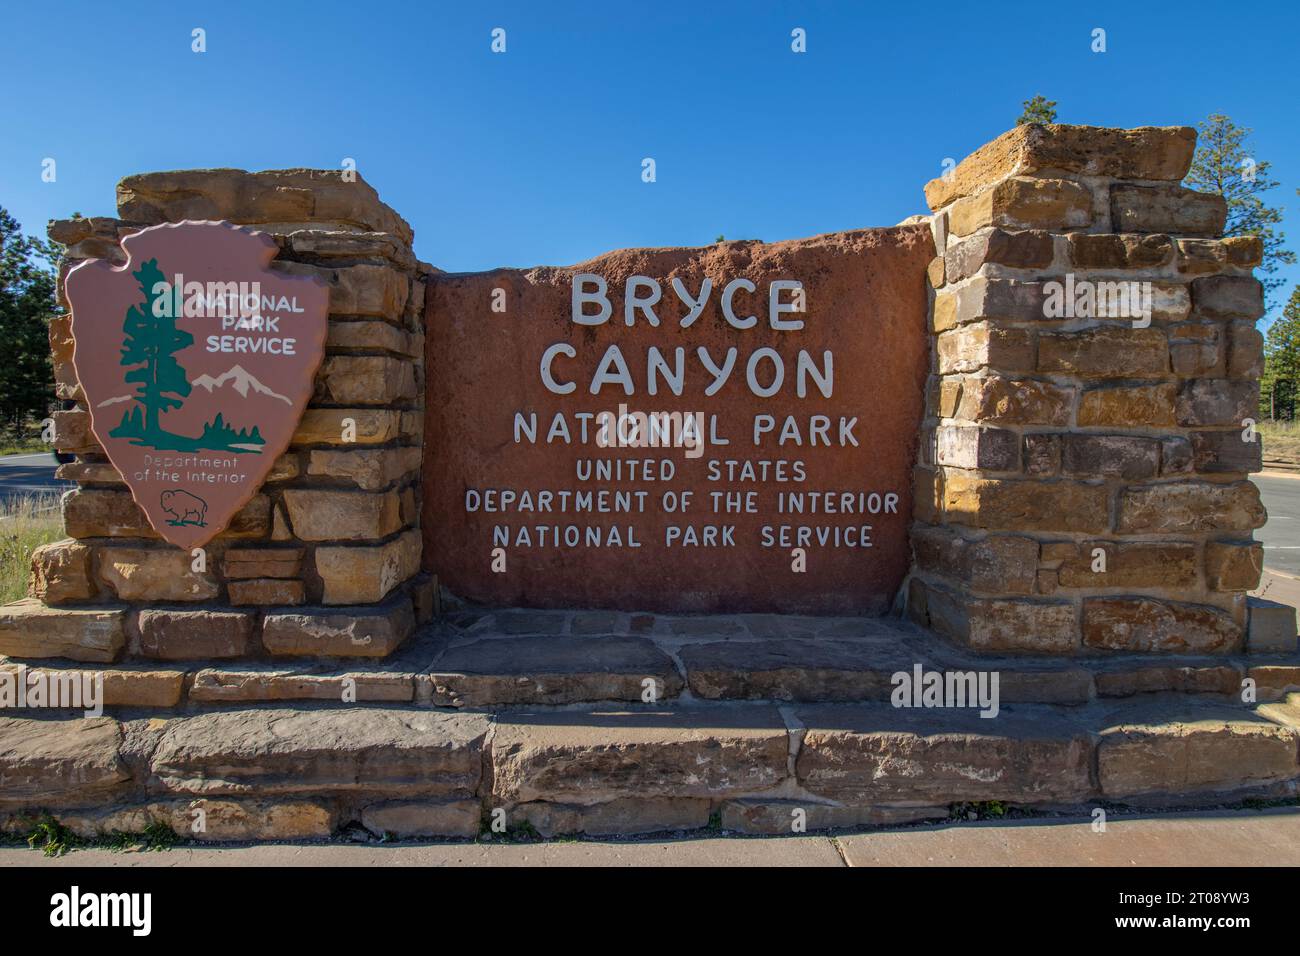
531,659
269,772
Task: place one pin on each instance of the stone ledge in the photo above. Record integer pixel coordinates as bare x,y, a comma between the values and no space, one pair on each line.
393,751
31,629
874,753
363,631
547,670
592,756
1144,153
268,773
270,196
522,658
1151,750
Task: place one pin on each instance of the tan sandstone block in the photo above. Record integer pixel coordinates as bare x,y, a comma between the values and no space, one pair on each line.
367,379
223,820
368,426
1147,152
1106,352
1126,406
996,563
31,629
1024,203
89,472
371,336
168,634
261,563
369,468
1010,625
1245,351
1133,564
972,347
269,196
1010,505
72,432
366,574
1146,625
1228,297
61,573
1120,251
1207,256
330,515
410,819
125,685
1166,209
365,289
154,574
339,632
1233,565
1020,249
1178,748
1189,507
934,272
262,683
267,592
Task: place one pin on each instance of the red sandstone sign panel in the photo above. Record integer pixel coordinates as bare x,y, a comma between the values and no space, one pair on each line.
197,361
720,429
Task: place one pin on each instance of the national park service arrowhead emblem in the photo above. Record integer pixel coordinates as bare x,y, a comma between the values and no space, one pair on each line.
196,361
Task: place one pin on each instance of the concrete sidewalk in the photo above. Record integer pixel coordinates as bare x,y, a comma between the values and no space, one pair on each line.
1226,838
1279,586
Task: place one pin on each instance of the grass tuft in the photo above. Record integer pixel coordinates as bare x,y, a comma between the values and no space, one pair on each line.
26,523
1281,441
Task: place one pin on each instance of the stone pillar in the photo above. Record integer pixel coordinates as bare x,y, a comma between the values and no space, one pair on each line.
325,560
1083,484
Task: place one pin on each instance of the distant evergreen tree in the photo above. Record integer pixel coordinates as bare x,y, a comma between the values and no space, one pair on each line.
1279,390
1037,110
27,302
1225,164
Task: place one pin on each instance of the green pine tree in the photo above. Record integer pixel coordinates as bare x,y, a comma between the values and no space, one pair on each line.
151,342
1226,164
1279,390
27,304
1038,110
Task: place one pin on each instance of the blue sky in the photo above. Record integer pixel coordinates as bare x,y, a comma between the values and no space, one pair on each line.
534,156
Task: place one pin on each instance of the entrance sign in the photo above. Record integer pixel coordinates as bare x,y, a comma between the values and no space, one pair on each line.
197,362
722,429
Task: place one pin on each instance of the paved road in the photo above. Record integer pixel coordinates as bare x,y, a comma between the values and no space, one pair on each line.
1281,536
1223,838
28,475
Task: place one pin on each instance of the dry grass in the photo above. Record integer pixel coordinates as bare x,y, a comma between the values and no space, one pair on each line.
1281,441
26,523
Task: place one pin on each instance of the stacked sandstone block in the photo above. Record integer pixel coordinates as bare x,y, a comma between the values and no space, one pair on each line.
1052,441
325,560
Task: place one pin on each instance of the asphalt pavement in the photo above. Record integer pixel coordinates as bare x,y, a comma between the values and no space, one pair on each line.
1281,535
29,475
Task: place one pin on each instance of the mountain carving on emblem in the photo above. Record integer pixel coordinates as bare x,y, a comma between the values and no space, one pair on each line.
240,380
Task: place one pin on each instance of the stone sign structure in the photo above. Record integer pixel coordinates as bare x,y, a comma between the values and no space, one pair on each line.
1096,368
188,415
1034,402
687,417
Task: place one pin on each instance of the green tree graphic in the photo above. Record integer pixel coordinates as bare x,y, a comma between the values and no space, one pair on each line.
151,342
